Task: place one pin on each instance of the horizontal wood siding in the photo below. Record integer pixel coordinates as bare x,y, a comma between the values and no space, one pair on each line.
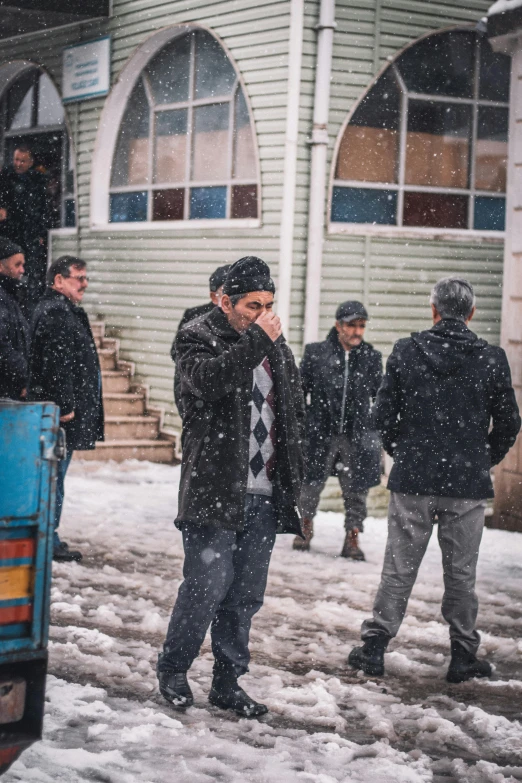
392,276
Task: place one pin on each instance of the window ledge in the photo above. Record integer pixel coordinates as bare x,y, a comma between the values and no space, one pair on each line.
407,232
63,232
177,225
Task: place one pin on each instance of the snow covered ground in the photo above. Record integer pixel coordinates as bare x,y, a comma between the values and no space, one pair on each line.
106,721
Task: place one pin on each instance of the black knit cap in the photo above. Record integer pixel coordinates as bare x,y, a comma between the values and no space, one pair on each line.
248,274
8,248
351,311
217,278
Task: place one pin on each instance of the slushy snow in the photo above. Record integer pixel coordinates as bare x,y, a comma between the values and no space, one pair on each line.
105,720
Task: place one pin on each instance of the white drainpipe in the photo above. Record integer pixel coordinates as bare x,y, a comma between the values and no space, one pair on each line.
319,154
286,245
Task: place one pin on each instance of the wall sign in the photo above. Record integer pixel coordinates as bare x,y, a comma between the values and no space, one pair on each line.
86,70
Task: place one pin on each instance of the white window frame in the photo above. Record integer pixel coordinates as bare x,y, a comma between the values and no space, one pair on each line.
398,230
107,138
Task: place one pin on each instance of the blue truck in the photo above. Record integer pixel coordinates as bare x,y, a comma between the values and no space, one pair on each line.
30,445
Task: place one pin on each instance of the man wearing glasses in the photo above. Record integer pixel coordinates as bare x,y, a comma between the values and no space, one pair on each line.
64,368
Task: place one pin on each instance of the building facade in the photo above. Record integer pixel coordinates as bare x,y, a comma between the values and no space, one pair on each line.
307,132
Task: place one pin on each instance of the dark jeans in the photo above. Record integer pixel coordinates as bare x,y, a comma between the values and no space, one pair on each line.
225,574
63,464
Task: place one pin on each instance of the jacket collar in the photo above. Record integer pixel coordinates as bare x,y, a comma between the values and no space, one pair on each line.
10,285
51,294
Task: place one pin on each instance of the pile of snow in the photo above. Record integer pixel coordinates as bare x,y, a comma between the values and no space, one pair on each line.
504,5
106,721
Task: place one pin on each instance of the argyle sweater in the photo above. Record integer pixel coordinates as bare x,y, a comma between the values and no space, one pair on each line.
262,453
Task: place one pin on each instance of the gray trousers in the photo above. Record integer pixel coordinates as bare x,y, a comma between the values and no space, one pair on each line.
225,574
340,454
410,523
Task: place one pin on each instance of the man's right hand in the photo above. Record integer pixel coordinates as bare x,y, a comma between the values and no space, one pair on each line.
67,417
271,324
3,214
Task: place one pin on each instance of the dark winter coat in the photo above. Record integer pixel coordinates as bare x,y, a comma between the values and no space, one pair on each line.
325,380
14,341
26,200
189,315
216,364
64,367
442,389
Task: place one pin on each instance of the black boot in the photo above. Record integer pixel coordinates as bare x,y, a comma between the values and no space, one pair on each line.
370,657
228,695
464,665
175,689
62,553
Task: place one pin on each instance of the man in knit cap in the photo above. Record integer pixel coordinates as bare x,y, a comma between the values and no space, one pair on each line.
240,484
14,330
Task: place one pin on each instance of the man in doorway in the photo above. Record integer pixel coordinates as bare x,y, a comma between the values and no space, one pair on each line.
216,280
64,368
341,377
25,218
14,330
241,478
442,390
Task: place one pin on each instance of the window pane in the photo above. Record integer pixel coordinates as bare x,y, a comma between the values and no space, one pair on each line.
244,201
244,152
50,109
169,72
23,114
168,204
70,213
364,205
128,207
370,145
15,98
208,203
435,210
491,149
437,146
210,160
490,213
171,146
495,71
131,161
442,64
215,75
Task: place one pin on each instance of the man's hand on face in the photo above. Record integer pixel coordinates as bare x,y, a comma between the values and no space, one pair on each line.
271,324
67,417
3,214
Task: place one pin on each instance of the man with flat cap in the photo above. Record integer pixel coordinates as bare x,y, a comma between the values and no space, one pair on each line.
340,378
215,284
240,483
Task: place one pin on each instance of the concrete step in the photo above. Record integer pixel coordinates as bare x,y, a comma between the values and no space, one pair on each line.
107,358
115,381
131,427
123,404
120,450
98,329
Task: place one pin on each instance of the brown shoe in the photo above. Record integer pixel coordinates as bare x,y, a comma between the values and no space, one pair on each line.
308,532
351,547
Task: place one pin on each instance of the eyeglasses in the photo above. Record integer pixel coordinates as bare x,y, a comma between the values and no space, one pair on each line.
81,278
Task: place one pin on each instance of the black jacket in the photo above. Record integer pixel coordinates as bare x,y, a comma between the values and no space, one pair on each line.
442,389
14,341
189,315
26,200
327,381
64,367
216,365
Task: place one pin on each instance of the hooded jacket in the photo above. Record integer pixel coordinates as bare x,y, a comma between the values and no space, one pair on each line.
442,390
216,366
338,396
14,341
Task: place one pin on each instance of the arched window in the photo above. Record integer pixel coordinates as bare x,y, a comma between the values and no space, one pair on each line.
185,148
427,145
32,113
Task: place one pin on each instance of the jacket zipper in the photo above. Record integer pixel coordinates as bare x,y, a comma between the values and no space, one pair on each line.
345,389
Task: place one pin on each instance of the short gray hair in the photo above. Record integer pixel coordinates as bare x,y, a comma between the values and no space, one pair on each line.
453,297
